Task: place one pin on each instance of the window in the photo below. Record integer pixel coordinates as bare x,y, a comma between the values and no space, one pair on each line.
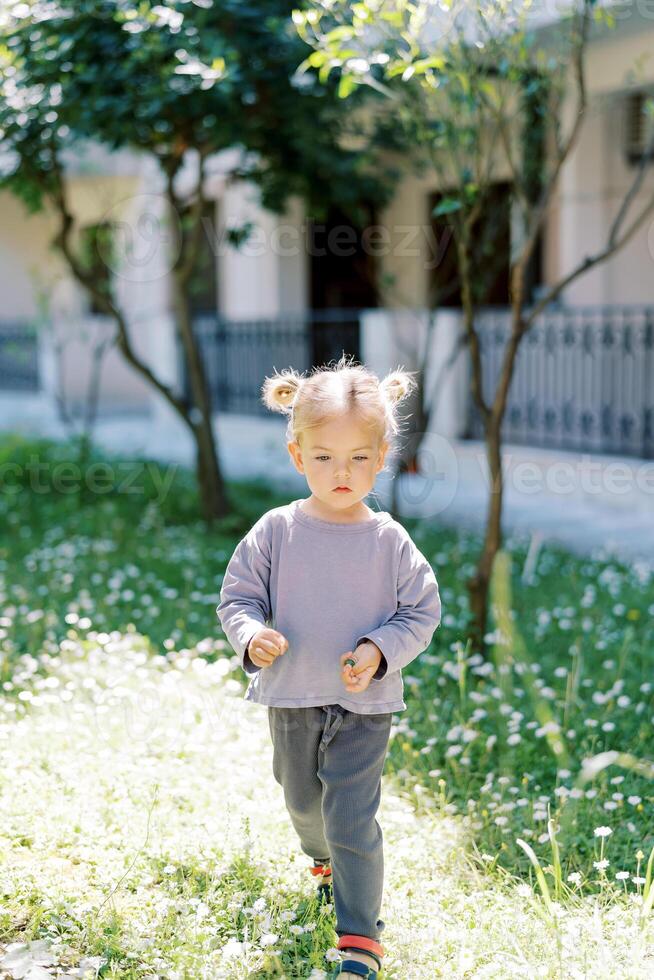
491,254
343,273
639,125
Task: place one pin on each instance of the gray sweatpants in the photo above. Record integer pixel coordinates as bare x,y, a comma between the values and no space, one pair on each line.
329,762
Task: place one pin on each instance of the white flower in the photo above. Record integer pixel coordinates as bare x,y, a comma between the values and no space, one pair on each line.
575,878
602,831
601,865
233,948
622,875
170,17
634,800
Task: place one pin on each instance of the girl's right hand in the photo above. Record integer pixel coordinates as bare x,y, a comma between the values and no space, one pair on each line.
265,646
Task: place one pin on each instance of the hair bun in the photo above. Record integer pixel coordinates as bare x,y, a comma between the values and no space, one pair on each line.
398,384
278,391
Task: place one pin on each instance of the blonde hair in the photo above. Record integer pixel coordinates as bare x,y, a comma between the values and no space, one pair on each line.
347,389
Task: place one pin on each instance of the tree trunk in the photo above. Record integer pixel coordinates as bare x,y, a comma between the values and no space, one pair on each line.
213,499
478,584
211,486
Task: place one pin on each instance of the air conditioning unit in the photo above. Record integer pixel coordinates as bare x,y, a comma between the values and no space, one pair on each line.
639,126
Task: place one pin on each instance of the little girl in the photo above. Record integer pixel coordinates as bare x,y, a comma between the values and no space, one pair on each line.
324,601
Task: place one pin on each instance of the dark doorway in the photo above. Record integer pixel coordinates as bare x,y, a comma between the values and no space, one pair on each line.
491,254
343,280
203,282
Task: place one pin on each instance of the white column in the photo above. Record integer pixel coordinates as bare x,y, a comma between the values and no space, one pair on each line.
143,286
448,375
249,275
396,338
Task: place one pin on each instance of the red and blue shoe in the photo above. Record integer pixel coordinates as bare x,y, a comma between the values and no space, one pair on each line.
324,892
359,944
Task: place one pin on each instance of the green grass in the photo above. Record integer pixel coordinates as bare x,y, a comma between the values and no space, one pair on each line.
127,805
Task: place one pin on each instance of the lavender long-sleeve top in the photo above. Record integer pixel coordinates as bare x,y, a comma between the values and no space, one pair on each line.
327,587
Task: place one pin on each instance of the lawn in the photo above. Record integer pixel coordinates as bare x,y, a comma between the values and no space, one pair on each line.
134,842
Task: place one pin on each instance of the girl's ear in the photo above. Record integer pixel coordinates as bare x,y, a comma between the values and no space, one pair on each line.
296,456
383,449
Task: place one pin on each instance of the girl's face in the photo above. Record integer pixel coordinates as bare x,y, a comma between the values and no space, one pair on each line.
340,453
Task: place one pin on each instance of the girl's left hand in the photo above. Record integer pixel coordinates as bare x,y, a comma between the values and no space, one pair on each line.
357,678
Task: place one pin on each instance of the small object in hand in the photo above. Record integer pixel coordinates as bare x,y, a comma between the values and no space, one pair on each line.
351,662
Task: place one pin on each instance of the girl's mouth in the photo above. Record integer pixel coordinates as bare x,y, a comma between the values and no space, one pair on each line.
342,490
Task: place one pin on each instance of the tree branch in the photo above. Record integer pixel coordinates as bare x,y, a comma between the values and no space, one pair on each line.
63,243
563,150
588,263
645,160
191,241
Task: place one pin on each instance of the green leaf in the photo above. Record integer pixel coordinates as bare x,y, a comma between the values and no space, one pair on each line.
539,872
324,72
423,64
393,17
346,85
396,68
343,33
447,206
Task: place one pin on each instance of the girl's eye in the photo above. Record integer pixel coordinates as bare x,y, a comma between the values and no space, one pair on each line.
327,457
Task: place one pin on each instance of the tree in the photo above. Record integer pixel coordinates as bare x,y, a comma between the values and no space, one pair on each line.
178,83
476,89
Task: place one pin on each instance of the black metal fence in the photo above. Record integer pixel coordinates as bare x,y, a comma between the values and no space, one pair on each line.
584,379
239,354
19,362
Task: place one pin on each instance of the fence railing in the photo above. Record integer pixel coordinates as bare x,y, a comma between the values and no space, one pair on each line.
238,354
19,361
583,380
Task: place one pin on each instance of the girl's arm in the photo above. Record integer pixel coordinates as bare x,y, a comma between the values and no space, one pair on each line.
409,631
244,606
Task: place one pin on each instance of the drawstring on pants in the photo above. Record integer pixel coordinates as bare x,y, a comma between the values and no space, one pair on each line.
333,722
